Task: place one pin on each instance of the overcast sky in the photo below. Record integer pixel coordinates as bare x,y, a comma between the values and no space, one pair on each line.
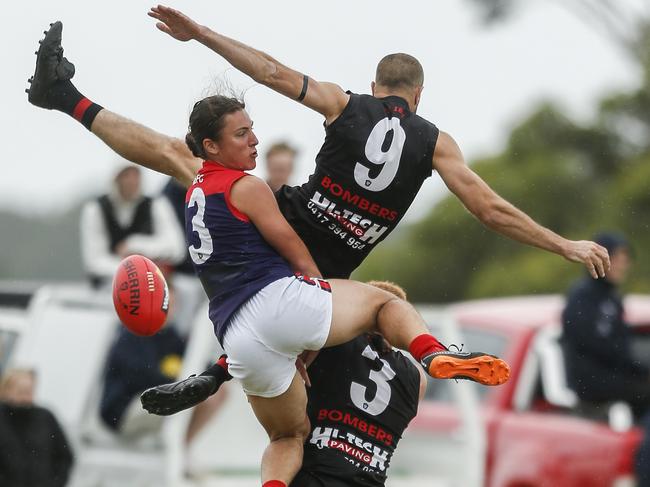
478,81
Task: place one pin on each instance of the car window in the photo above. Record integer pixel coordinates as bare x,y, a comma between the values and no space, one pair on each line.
474,340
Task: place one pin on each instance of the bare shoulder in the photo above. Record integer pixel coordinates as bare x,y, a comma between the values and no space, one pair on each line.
446,144
327,98
334,89
447,150
250,184
251,192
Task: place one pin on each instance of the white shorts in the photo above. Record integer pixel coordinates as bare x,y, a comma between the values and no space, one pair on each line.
270,330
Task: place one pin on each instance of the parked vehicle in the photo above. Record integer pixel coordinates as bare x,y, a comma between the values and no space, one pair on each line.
537,432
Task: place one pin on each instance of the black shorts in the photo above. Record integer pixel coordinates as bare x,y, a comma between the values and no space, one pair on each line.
310,479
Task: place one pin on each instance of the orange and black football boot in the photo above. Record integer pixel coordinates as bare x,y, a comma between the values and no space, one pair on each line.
475,366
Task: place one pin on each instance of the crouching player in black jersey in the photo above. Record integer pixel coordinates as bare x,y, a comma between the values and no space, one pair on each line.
362,397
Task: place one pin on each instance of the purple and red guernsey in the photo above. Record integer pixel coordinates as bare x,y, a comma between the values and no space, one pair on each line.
231,258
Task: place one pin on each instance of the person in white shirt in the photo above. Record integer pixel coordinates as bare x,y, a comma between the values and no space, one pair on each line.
125,222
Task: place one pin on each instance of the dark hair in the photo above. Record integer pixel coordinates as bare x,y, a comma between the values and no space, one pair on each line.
207,120
379,343
399,71
613,241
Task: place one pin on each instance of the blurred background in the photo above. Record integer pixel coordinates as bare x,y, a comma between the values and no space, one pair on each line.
549,101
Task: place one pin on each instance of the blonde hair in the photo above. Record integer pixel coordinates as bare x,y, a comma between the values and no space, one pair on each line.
390,287
279,147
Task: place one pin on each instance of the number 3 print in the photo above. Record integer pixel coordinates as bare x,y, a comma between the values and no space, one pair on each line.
388,159
379,403
201,254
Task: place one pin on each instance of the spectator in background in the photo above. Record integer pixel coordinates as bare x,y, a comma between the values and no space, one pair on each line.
175,194
187,286
125,222
136,363
279,164
34,451
600,365
597,344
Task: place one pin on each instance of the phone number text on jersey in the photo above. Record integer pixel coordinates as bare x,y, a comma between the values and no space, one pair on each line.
332,225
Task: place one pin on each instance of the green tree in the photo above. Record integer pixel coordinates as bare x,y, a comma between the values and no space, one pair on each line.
575,179
623,22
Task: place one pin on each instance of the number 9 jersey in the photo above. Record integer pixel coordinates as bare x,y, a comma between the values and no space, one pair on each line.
375,157
362,398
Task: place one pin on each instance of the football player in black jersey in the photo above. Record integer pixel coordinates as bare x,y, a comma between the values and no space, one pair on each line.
376,154
362,397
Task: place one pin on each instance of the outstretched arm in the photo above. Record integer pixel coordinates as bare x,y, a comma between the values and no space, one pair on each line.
328,99
254,198
146,147
501,216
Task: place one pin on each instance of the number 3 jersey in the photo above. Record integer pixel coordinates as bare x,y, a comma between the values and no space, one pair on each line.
230,256
361,400
375,157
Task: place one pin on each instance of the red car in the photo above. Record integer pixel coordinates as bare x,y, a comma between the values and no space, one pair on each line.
536,432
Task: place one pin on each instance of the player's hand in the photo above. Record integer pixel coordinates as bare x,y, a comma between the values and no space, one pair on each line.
593,256
174,23
303,361
302,370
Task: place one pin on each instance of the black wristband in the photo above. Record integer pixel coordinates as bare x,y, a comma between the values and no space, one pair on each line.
305,85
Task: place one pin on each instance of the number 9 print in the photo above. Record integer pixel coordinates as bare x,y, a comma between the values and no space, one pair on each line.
389,159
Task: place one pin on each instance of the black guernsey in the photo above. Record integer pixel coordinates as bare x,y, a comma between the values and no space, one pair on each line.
362,398
375,157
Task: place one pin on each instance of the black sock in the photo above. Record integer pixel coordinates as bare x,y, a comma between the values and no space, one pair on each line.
65,97
219,370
